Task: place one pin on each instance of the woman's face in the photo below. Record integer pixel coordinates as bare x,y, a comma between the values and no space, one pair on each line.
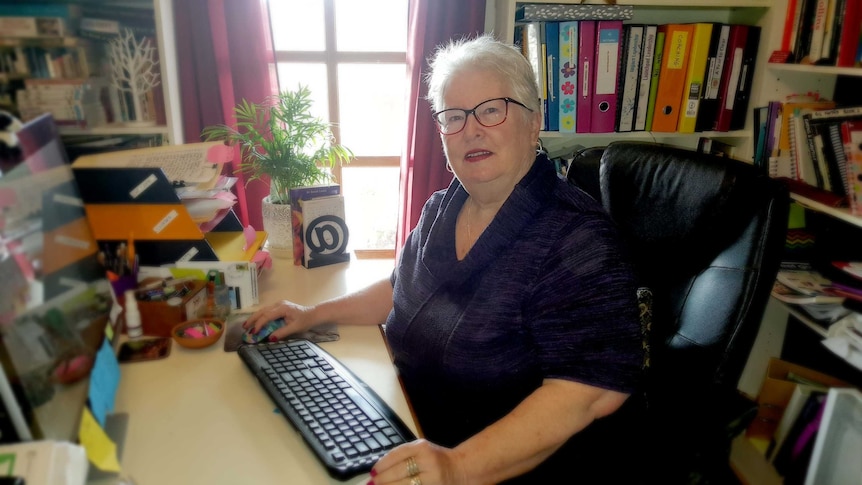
494,157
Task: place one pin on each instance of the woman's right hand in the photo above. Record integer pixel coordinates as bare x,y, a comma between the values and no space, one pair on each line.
297,318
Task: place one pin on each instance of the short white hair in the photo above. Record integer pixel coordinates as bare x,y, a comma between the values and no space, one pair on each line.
484,53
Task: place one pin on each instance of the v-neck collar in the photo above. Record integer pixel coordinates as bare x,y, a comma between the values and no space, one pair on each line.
526,200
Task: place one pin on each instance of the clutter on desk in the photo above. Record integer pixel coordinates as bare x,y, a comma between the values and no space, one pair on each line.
136,192
163,304
45,462
199,333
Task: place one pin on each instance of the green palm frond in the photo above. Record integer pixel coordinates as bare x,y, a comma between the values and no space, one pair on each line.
279,138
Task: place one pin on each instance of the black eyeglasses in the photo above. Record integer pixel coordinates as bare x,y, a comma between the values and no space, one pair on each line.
488,113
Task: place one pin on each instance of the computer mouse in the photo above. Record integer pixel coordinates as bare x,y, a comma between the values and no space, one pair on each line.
263,333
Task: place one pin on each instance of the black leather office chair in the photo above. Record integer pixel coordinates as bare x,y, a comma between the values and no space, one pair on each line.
707,235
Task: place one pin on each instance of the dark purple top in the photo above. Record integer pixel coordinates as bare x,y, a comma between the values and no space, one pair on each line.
544,293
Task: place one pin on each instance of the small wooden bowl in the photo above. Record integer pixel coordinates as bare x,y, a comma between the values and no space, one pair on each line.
193,335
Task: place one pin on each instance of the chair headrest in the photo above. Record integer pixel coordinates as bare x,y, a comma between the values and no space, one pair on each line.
669,200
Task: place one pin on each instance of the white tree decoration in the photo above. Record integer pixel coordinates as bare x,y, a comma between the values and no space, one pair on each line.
132,67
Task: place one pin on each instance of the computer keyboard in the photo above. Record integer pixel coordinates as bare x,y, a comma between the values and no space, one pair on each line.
344,422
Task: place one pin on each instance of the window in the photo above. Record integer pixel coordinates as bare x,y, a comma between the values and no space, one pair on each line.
353,56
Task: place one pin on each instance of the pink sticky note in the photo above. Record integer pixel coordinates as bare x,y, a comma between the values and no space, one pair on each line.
250,236
220,154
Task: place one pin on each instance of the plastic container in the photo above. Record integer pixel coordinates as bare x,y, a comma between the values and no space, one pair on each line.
133,316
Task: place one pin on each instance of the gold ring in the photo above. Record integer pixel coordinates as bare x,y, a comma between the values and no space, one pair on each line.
415,481
413,470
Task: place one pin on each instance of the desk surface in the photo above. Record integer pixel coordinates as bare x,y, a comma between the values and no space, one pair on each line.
200,417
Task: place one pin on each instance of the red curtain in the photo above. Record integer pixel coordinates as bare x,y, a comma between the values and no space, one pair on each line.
225,54
423,164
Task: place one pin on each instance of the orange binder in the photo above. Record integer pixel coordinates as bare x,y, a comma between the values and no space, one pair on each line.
671,80
694,80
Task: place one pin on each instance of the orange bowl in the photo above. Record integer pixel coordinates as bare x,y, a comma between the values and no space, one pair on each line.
197,334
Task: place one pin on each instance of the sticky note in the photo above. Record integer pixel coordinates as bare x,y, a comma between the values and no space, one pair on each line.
101,451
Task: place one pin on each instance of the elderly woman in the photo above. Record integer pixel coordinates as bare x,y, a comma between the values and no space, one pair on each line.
511,313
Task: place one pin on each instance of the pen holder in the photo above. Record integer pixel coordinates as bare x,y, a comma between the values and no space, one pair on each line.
119,284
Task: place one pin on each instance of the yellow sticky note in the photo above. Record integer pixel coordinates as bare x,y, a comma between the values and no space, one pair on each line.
101,451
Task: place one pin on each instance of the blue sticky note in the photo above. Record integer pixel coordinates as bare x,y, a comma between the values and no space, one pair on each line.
103,383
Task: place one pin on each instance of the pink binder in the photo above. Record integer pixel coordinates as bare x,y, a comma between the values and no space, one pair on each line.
609,34
586,55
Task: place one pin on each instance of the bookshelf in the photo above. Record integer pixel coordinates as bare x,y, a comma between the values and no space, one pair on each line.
500,19
156,13
785,331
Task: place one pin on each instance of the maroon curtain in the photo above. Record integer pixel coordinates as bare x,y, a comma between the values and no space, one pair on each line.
225,54
423,164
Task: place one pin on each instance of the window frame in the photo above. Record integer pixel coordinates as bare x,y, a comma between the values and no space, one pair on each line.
331,58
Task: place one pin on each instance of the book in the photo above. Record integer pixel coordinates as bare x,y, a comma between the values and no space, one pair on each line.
708,109
851,135
609,36
789,295
830,36
677,45
532,48
630,77
803,167
848,41
731,76
824,130
760,117
586,77
40,9
818,31
296,195
35,27
552,69
791,23
325,232
693,86
645,81
802,278
568,76
804,26
656,72
742,94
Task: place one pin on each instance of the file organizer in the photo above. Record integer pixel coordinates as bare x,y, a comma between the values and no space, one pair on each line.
141,204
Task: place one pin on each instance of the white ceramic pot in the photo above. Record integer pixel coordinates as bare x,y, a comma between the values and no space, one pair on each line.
278,227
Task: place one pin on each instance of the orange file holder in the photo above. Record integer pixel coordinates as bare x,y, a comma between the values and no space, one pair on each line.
671,79
141,204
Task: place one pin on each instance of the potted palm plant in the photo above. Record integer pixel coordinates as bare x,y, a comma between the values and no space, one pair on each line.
281,140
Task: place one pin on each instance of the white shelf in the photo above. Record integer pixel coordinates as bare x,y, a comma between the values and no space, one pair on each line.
116,130
649,135
836,212
818,70
805,319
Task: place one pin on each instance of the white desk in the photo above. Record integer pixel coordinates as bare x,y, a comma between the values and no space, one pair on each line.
200,417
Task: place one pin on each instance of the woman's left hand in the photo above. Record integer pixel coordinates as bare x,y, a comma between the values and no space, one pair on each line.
418,463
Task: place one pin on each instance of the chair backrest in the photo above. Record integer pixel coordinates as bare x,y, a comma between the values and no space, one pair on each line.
707,236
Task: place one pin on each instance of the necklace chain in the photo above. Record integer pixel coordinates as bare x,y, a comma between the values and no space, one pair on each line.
469,216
